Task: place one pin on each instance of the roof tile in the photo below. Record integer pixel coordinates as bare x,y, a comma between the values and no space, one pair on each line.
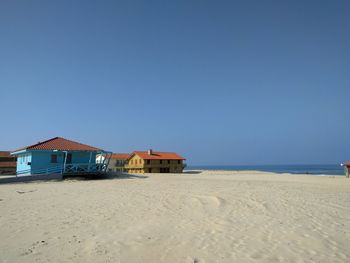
158,155
60,144
5,154
120,155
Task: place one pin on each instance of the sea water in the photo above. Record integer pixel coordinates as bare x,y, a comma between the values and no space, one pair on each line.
312,169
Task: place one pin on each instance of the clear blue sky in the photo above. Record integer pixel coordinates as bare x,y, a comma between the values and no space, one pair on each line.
221,82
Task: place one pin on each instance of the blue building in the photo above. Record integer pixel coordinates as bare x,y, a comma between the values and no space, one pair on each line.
59,155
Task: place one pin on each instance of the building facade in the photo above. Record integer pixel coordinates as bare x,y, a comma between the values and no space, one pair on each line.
7,163
56,155
117,162
155,162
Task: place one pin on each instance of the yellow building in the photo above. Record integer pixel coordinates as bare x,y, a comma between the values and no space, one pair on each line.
155,162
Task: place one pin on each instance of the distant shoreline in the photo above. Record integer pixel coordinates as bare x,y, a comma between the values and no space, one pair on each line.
327,169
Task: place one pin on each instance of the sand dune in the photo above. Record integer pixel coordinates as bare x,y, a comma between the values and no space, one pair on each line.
213,216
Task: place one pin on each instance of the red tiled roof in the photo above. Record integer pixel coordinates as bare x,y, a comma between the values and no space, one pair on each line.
347,164
120,156
60,144
7,164
5,154
158,156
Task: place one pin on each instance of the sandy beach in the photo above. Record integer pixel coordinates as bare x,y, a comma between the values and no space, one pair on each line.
199,216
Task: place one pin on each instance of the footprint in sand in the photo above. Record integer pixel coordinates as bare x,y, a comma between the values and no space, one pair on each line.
209,200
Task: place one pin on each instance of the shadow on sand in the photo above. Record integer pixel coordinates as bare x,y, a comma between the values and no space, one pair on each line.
28,179
109,176
192,172
58,177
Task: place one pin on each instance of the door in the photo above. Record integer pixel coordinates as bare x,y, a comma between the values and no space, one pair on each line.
69,158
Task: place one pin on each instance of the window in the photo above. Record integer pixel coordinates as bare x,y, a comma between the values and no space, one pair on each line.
168,161
164,170
148,161
178,161
160,161
69,158
53,158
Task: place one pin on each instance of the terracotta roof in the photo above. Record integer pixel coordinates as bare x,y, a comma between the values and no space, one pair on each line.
7,164
347,164
5,154
158,156
120,156
60,144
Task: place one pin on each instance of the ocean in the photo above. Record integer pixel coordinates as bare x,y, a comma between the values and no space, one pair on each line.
312,169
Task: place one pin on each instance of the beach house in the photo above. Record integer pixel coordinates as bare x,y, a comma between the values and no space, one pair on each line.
7,163
117,162
155,162
59,155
